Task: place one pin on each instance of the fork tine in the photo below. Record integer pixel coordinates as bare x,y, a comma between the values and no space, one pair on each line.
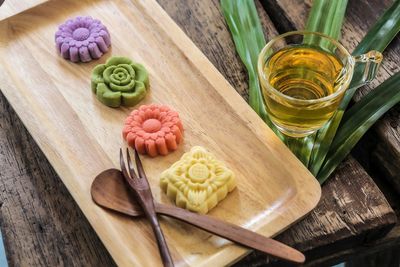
130,167
122,163
139,166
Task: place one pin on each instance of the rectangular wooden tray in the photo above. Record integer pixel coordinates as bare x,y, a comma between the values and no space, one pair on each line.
81,137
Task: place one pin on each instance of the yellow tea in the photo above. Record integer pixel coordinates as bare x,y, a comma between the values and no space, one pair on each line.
301,73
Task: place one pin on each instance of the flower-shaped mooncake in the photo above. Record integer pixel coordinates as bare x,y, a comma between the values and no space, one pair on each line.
82,39
120,82
153,130
198,181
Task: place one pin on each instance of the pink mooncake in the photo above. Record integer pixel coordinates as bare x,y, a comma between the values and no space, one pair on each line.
153,130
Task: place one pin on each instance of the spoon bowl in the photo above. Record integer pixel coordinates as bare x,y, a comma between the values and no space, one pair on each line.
109,191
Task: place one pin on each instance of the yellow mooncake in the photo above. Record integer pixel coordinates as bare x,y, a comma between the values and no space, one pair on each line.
198,181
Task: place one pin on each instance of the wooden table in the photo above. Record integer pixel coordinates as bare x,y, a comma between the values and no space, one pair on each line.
42,226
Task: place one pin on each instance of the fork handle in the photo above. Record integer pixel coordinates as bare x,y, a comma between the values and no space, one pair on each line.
162,244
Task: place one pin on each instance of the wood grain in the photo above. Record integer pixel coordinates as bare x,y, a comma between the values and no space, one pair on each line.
12,7
110,191
34,204
335,219
270,196
203,23
360,16
314,228
371,252
43,236
140,187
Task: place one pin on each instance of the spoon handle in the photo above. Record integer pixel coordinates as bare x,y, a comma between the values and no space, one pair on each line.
233,233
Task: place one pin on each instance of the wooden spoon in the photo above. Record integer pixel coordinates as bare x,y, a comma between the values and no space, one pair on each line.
109,191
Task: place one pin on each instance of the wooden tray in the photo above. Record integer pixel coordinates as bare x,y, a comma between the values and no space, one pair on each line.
81,137
12,7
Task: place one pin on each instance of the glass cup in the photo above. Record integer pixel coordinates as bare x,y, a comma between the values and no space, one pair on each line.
304,76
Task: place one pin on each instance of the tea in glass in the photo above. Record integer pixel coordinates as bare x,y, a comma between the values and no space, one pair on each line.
302,73
303,84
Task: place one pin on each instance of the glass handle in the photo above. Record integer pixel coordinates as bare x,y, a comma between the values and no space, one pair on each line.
367,66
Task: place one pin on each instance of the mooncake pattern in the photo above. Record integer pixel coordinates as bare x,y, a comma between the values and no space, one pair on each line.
120,82
198,181
153,130
82,39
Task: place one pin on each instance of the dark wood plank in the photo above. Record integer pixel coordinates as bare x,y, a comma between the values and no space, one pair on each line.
381,252
203,22
41,223
387,153
360,16
43,226
342,219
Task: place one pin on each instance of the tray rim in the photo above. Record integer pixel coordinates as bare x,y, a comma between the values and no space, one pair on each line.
6,3
256,125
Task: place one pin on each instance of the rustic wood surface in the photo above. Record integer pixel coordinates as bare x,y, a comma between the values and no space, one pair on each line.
383,251
360,16
34,201
342,220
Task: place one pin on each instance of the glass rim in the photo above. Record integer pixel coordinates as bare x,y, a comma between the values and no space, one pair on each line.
263,79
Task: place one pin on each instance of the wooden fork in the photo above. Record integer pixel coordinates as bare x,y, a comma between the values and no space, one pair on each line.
140,186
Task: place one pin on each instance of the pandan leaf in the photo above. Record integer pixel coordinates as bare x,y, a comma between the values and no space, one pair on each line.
358,119
386,28
382,32
326,16
244,24
301,147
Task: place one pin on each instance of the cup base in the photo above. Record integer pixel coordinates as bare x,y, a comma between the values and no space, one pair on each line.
294,133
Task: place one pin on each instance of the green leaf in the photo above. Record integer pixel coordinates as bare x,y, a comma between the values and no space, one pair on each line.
358,119
384,30
323,141
301,147
244,24
326,16
387,26
378,38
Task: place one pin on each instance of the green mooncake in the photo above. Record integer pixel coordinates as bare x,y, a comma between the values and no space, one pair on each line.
120,82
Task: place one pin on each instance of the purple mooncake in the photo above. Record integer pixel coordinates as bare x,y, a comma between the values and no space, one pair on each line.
82,39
